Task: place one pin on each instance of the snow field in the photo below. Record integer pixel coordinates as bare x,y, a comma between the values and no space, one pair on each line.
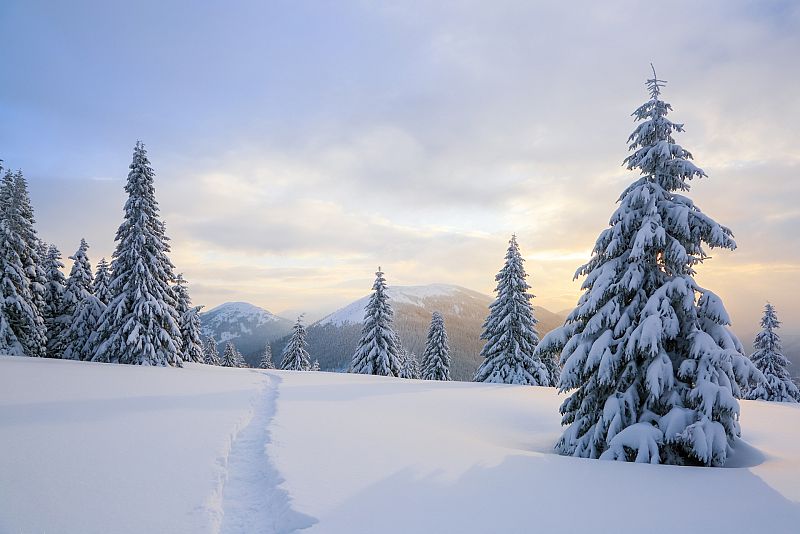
115,449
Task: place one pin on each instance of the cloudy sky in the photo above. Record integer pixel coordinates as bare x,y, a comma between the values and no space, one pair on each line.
299,145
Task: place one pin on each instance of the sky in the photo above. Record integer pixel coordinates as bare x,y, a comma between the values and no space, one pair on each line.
299,145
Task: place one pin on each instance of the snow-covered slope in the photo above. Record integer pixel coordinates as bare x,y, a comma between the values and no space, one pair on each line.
333,339
98,448
248,326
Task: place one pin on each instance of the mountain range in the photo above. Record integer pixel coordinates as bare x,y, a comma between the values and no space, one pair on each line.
333,339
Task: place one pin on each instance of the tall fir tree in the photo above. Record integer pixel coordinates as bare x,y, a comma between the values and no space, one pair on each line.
295,356
22,283
140,325
377,352
102,281
768,358
32,261
191,344
231,358
652,368
82,309
436,359
510,330
266,358
210,352
54,299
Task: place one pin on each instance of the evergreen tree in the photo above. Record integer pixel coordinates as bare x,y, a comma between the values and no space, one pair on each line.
315,365
777,384
140,325
647,354
510,333
102,281
31,259
79,283
191,344
377,351
54,299
266,358
231,357
436,359
295,356
240,361
210,352
410,366
81,309
22,327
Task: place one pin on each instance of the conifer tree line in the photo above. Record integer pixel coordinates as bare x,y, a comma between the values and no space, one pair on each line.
134,310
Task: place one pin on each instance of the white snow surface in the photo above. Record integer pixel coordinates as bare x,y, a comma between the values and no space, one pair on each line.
90,447
353,313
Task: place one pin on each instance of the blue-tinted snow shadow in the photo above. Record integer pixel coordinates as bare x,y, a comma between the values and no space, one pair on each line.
87,410
556,494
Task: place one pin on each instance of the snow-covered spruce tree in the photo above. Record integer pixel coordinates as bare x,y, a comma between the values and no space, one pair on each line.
266,358
140,325
777,384
102,281
230,358
652,367
210,352
79,283
22,291
83,309
510,330
33,263
191,344
436,359
315,365
410,366
53,296
377,351
295,356
240,361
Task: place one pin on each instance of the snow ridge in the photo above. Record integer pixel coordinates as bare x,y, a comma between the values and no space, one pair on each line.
251,497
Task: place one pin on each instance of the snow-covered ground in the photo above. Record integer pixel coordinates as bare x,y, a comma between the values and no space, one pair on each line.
107,448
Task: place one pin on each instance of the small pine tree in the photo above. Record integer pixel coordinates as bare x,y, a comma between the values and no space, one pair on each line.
410,366
79,283
295,356
266,358
102,281
54,297
510,333
210,352
191,344
436,359
652,367
777,384
377,352
315,365
231,357
83,307
140,325
22,327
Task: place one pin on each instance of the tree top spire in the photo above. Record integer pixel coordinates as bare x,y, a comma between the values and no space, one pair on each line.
654,85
